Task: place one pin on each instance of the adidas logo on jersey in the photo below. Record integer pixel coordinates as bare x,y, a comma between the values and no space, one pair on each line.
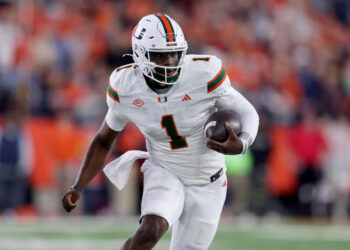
186,98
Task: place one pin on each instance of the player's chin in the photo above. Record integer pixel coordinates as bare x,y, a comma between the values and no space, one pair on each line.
171,72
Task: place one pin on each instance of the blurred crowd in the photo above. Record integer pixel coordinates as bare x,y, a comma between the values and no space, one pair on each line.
290,58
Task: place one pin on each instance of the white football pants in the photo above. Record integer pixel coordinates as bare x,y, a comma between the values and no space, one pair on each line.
193,212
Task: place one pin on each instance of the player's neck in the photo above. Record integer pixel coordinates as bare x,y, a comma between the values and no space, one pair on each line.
156,87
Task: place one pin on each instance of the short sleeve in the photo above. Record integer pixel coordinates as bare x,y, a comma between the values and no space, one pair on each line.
225,89
114,117
219,84
115,121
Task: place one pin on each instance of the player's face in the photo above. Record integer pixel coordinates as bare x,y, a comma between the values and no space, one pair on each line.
165,59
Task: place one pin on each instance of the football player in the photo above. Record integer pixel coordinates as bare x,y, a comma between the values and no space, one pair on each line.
169,95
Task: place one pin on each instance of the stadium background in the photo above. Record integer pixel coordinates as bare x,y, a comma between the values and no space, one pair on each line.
291,59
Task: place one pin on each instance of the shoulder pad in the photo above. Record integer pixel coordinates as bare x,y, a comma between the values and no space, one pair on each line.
205,63
210,68
117,81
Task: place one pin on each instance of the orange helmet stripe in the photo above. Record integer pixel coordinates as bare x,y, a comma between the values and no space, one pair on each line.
168,28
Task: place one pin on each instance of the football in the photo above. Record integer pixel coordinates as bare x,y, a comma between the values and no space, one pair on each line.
215,129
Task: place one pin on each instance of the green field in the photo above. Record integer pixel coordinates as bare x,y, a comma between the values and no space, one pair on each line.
75,233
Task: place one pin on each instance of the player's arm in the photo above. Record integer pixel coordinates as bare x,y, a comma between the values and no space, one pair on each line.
249,119
94,161
228,98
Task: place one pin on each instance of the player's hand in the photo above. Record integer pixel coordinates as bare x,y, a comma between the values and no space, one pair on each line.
232,146
70,199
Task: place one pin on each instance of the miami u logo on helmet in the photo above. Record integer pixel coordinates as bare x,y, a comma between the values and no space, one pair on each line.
139,37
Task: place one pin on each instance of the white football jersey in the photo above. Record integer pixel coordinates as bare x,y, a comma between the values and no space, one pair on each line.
173,123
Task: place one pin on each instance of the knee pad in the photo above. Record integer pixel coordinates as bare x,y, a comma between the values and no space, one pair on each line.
198,235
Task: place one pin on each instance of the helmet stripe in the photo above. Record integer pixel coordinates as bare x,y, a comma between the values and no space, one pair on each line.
168,28
171,26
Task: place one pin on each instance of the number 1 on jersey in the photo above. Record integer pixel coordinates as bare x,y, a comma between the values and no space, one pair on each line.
177,141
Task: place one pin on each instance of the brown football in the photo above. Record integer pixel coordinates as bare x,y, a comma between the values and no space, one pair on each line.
215,129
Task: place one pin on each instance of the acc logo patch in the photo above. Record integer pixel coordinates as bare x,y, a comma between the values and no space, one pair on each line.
138,103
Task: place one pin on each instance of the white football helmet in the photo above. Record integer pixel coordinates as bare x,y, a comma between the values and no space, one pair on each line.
158,33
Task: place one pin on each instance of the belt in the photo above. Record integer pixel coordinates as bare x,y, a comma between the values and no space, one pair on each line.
217,175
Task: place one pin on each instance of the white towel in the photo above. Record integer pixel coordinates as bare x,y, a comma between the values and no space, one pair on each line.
118,170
